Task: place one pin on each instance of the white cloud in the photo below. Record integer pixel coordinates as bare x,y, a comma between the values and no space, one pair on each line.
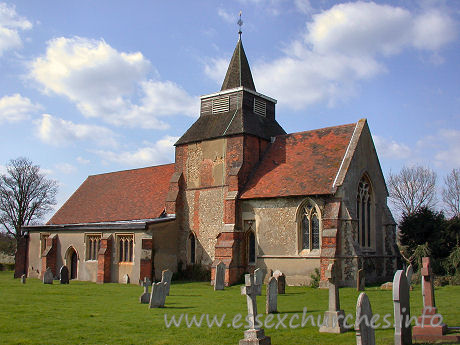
108,84
229,18
65,168
10,24
82,160
303,6
391,149
16,108
216,69
159,152
449,153
343,46
56,132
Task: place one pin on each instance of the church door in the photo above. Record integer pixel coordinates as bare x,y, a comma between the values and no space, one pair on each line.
73,266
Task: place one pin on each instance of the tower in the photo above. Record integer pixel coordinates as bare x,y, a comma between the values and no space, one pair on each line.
214,158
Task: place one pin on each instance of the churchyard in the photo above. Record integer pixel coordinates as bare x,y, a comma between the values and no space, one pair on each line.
90,313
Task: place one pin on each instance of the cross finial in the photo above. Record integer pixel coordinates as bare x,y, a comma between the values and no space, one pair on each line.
240,24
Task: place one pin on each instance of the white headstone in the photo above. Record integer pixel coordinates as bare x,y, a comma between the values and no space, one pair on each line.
259,279
272,296
158,295
219,281
401,304
126,279
23,279
166,277
333,318
48,276
365,334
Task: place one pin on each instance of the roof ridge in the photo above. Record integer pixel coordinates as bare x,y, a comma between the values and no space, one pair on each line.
317,129
133,169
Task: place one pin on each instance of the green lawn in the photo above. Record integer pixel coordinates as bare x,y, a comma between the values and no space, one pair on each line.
89,313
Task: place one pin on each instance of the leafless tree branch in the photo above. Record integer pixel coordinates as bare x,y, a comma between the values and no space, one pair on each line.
451,193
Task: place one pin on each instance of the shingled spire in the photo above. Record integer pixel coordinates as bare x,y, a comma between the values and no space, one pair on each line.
239,72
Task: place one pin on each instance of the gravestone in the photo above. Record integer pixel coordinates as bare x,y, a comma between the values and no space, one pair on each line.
401,304
430,326
333,318
360,280
64,275
48,276
409,273
259,279
365,333
126,279
254,335
281,279
145,297
272,296
158,295
23,279
219,281
166,277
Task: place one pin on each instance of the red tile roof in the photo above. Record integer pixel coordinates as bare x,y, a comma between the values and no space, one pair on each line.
304,163
124,195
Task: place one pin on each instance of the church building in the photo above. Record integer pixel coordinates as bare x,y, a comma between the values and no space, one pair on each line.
240,191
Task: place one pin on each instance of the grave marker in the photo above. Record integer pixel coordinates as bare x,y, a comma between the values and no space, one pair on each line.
158,295
365,333
219,281
254,335
64,275
126,279
23,279
281,279
48,276
333,318
360,280
401,304
145,297
166,277
272,296
259,279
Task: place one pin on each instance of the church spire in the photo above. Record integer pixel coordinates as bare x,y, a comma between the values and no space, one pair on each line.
239,72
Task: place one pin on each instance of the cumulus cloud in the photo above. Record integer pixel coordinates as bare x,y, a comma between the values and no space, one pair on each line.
82,160
16,108
56,132
159,152
10,25
109,84
343,46
445,145
388,148
65,168
216,69
229,18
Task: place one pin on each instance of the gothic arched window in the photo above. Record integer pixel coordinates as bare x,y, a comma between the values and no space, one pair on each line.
364,212
309,227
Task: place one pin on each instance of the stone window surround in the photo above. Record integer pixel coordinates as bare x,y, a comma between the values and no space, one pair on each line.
129,236
43,237
299,214
88,238
249,225
370,213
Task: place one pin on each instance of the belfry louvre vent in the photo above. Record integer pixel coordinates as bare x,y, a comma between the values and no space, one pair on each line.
220,105
260,107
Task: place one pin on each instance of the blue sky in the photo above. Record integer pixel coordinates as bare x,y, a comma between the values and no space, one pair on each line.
88,87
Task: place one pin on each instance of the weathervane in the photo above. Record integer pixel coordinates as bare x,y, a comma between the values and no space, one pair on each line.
240,24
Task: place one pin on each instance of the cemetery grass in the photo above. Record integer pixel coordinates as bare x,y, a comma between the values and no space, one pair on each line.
89,313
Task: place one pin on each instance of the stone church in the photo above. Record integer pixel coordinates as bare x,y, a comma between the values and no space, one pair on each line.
240,191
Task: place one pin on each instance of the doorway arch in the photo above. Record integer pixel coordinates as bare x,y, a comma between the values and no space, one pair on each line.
71,259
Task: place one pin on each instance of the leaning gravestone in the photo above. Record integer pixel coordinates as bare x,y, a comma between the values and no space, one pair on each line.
145,297
126,279
64,275
272,296
254,335
158,295
281,279
48,276
23,279
401,304
166,277
360,280
409,273
333,318
365,333
219,281
259,279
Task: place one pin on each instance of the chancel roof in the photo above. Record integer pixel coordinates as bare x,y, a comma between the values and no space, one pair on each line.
118,196
304,163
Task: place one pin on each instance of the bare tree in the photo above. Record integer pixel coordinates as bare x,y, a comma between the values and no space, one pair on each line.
412,188
25,195
451,193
